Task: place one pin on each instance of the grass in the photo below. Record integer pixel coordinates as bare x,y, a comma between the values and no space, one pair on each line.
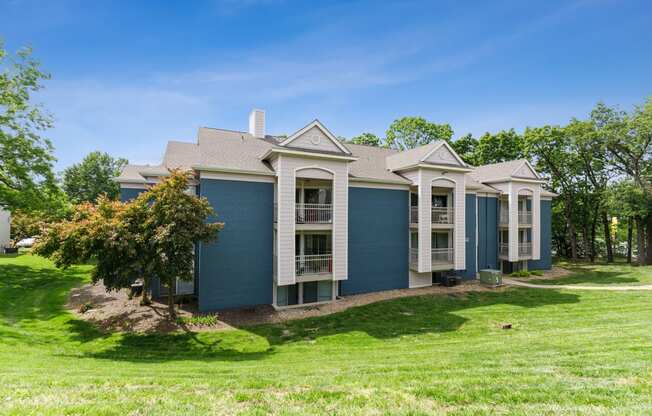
569,352
600,274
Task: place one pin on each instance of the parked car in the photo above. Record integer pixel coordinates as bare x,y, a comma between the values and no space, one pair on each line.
26,242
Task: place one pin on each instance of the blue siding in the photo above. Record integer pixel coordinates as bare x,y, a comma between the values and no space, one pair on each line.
546,239
488,233
236,271
127,194
378,240
470,217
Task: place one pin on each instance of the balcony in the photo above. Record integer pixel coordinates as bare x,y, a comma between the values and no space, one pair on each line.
441,256
503,249
439,215
313,264
504,217
525,249
524,217
313,213
414,257
442,215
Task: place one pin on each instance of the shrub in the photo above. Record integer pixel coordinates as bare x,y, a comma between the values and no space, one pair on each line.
536,273
522,273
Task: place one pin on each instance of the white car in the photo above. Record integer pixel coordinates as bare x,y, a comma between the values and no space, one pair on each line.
26,242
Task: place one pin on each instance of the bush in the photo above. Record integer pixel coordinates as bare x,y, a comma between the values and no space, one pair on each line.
522,273
536,272
198,320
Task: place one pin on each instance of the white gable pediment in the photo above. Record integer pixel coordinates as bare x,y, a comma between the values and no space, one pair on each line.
315,137
526,171
443,155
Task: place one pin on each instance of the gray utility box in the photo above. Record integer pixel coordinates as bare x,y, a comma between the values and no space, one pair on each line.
491,277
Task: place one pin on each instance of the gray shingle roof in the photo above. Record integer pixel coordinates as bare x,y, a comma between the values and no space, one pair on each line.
240,151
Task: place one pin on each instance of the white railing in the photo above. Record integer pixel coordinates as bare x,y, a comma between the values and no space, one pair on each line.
314,264
442,215
441,256
504,217
314,213
503,249
439,215
414,215
414,256
525,249
525,217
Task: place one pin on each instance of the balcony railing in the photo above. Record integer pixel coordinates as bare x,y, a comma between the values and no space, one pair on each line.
441,255
314,213
524,249
414,256
503,249
525,217
314,264
440,215
414,215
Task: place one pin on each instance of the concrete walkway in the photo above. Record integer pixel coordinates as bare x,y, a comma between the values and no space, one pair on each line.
512,282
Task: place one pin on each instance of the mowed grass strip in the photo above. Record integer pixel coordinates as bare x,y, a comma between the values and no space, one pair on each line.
569,352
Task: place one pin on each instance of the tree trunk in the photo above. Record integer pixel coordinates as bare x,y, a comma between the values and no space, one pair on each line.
640,242
172,313
586,236
594,224
145,299
607,238
572,238
630,231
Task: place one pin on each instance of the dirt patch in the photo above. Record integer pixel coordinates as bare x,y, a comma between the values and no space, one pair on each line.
114,311
555,273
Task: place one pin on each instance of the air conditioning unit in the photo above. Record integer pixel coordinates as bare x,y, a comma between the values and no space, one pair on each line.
491,277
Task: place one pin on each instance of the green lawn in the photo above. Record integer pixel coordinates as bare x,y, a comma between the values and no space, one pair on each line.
586,274
570,352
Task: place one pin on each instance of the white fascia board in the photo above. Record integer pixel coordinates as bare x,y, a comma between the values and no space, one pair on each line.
320,126
511,179
307,154
374,180
227,170
444,167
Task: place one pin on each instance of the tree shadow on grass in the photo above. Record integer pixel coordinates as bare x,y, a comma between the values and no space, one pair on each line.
584,276
381,320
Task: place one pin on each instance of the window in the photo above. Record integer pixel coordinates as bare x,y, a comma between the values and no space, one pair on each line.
439,240
414,240
317,196
414,199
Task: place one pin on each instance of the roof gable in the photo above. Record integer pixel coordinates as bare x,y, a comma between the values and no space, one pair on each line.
315,137
525,170
443,154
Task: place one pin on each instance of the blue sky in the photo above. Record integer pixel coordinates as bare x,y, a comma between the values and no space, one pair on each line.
127,76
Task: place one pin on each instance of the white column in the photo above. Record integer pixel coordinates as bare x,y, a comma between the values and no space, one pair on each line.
513,223
460,223
341,223
536,223
286,223
425,226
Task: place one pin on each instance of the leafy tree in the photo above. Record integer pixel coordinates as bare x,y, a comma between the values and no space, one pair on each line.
500,147
368,139
93,177
410,132
26,177
551,148
466,148
151,236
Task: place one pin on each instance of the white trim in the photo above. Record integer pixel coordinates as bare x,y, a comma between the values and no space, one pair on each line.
316,123
546,198
228,170
511,179
236,177
307,154
442,168
378,185
373,180
133,185
450,149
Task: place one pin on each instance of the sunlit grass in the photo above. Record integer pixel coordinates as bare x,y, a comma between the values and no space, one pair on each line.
569,352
